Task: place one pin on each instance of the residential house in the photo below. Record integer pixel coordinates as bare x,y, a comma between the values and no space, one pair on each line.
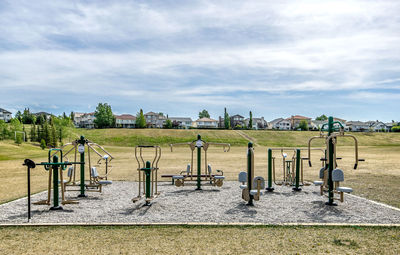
45,114
206,123
296,119
258,123
125,121
5,115
78,118
84,120
281,124
389,125
237,120
378,126
181,122
357,126
155,120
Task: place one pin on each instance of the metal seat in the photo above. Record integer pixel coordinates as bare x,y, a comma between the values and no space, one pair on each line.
318,183
178,177
219,177
243,186
344,189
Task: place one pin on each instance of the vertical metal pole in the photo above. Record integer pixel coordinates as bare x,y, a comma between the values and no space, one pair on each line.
56,205
29,193
198,165
106,168
147,171
269,188
298,159
250,172
82,184
331,163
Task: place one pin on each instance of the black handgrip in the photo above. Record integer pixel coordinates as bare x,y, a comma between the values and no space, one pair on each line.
147,146
361,159
309,163
355,166
29,163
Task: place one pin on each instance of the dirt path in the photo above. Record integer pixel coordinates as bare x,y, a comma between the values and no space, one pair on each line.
245,136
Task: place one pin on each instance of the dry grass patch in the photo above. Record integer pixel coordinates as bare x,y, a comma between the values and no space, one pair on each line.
199,240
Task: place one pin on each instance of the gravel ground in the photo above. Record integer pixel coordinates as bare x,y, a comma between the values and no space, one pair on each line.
214,205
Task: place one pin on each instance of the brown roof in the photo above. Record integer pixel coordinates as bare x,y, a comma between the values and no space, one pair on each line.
300,117
206,120
125,117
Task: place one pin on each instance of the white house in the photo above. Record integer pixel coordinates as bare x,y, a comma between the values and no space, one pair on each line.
181,122
358,126
84,120
378,126
5,115
125,121
258,123
206,123
281,124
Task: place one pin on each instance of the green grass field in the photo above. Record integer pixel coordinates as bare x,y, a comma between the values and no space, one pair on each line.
200,240
132,137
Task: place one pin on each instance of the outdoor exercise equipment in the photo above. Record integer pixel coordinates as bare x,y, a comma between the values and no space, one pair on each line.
292,169
213,179
329,173
55,169
95,182
251,186
148,172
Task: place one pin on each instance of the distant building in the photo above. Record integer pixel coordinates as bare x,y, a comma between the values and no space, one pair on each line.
5,115
237,120
206,123
258,123
84,120
296,119
357,126
45,114
125,121
155,120
281,124
181,122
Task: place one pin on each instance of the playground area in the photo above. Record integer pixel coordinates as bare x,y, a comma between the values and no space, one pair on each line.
200,217
210,205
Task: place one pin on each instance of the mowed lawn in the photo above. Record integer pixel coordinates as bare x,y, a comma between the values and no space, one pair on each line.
200,240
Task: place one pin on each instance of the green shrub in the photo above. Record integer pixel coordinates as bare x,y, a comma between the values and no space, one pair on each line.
396,129
43,144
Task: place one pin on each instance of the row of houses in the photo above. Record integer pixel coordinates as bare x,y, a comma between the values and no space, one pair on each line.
293,123
158,120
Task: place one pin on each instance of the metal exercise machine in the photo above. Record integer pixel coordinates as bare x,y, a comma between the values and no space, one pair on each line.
188,175
147,173
332,176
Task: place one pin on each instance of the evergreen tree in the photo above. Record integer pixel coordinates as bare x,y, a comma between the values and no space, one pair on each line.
227,121
53,136
72,116
39,135
251,120
42,144
46,133
18,138
33,133
140,120
18,116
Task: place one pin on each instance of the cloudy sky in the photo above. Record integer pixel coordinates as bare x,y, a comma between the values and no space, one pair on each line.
276,58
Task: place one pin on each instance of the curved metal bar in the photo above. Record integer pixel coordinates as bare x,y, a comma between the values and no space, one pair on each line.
176,144
221,144
355,145
321,136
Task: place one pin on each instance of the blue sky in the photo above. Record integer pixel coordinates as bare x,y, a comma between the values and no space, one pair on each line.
276,58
